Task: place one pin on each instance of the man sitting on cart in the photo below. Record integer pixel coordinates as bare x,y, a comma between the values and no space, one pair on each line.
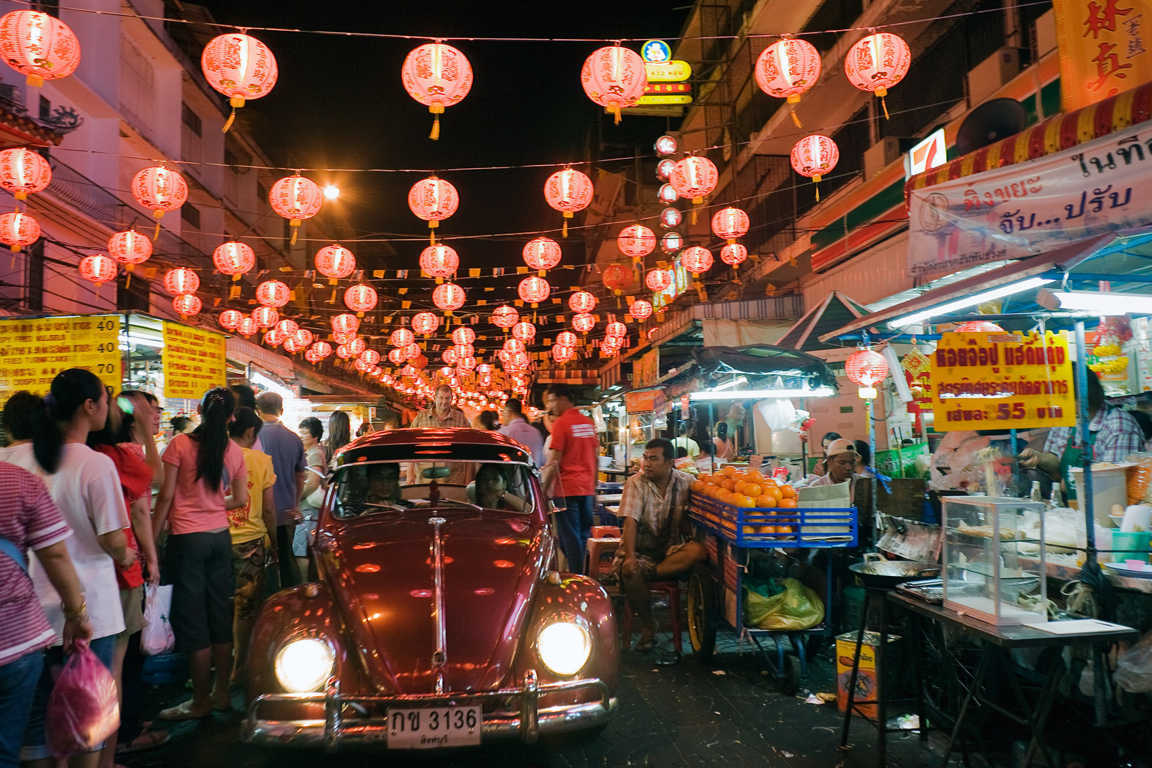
657,537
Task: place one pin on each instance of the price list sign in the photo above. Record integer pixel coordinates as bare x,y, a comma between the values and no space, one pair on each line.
33,351
193,361
1002,381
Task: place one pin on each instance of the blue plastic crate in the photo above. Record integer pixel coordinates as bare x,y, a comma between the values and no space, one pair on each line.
809,527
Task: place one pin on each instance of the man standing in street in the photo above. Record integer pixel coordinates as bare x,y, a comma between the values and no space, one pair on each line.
442,415
286,450
571,472
518,428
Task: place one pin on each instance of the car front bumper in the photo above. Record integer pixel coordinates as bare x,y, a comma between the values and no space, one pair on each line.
526,723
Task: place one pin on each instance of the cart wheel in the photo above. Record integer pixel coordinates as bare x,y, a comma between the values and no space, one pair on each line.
790,675
702,614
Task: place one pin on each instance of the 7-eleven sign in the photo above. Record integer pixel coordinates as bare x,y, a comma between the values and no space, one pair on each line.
926,155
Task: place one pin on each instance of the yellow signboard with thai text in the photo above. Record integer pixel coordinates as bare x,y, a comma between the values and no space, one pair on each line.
1104,47
33,351
1002,381
193,361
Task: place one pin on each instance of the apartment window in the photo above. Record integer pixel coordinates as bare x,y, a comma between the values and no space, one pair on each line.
190,214
236,156
191,119
45,108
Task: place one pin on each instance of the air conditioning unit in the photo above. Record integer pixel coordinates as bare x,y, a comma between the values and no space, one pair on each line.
988,76
880,155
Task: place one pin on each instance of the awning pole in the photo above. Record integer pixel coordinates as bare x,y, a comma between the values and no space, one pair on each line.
1082,422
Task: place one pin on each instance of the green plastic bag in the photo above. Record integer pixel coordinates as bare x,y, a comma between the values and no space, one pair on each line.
796,607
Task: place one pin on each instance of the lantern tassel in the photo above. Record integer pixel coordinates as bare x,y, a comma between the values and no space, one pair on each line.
884,104
332,298
435,134
295,224
796,119
228,123
565,229
156,232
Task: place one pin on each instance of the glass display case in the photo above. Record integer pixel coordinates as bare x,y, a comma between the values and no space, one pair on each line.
994,561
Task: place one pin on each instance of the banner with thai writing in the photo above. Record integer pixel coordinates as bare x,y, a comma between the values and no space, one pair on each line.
1002,381
194,361
33,351
1029,208
1104,48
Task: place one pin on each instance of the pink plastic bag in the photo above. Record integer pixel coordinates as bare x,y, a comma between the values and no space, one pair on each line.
84,708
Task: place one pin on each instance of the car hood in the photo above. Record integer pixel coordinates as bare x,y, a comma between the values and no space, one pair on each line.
381,575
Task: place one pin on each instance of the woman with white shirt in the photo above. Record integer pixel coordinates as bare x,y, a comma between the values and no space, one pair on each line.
84,485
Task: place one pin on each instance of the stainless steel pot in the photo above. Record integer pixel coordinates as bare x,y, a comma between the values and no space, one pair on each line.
875,571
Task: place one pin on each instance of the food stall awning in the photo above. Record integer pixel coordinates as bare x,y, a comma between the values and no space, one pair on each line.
739,371
834,311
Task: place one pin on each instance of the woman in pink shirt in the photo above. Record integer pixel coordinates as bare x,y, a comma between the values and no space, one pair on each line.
199,470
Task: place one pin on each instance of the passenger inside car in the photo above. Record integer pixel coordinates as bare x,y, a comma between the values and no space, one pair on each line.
491,490
384,485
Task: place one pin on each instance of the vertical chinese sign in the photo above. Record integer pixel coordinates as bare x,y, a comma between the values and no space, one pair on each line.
1104,48
33,351
193,361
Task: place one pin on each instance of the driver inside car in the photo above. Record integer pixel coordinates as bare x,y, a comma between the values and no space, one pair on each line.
384,486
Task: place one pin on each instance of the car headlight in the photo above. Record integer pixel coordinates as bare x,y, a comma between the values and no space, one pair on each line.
304,665
564,646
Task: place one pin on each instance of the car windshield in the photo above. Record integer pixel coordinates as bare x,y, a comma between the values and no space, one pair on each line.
396,486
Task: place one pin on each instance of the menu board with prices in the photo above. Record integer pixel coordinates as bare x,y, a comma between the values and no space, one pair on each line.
1002,381
33,351
194,361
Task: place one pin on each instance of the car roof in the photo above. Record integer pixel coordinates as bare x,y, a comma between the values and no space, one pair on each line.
432,444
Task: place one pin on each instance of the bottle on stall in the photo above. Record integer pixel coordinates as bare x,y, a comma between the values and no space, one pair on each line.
1056,500
1034,494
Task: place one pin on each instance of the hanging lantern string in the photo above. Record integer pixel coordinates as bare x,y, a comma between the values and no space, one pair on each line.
549,39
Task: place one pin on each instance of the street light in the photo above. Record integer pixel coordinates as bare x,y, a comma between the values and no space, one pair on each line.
331,191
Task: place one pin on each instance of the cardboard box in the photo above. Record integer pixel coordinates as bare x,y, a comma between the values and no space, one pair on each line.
866,677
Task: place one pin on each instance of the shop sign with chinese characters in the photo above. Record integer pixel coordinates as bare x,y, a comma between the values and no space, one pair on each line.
33,351
1002,381
1028,208
1104,48
193,361
917,369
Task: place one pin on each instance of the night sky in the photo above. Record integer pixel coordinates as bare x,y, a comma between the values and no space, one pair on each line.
339,103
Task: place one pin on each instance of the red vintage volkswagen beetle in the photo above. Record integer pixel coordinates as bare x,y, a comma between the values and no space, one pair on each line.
439,619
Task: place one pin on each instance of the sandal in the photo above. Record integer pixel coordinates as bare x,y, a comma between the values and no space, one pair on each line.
183,711
148,739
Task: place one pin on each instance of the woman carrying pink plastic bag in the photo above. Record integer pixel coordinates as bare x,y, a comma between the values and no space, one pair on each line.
84,708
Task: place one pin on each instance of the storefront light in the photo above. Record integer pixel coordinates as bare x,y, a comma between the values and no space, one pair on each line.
969,301
764,394
1096,302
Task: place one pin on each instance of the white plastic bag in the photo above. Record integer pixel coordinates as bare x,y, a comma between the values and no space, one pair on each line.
157,636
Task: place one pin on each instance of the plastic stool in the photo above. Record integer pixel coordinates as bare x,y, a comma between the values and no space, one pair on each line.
672,590
600,552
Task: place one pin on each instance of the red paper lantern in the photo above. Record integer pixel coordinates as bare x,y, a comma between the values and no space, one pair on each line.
524,331
181,280
582,301
295,198
512,346
439,261
335,262
665,145
664,168
567,339
583,323
866,368
438,76
730,223
448,297
618,278
411,351
815,156
230,319
247,326
371,357
694,177
287,327
265,316
345,323
641,309
292,346
234,258
357,346
562,354
615,329
667,193
658,279
671,242
319,350
464,350
24,172
303,337
542,253
466,363
734,254
978,326
272,293
696,259
534,290
160,190
449,356
129,248
240,67
187,305
615,78
401,337
465,335
425,323
670,218
504,317
433,200
787,69
38,46
877,62
360,298
517,362
396,356
273,337
636,241
98,268
344,352
568,191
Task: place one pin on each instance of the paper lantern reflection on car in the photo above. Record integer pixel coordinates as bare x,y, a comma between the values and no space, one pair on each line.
582,301
696,259
583,323
787,69
335,262
877,62
425,323
636,241
181,280
439,261
866,368
615,78
272,293
524,331
815,156
24,172
98,268
38,46
658,279
230,319
541,254
433,200
265,316
240,67
465,335
534,290
641,309
730,223
187,305
296,199
437,75
360,298
448,297
568,191
734,254
234,258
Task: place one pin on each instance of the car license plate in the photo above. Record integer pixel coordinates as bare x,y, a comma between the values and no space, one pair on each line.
434,727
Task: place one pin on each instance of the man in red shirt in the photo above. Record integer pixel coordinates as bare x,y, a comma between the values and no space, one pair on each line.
571,472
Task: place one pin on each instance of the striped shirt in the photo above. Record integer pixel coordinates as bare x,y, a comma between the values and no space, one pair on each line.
31,521
1117,434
